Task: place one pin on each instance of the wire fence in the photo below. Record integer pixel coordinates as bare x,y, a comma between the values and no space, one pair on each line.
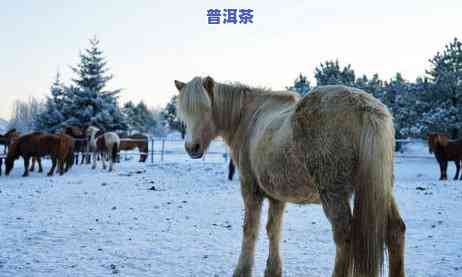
165,149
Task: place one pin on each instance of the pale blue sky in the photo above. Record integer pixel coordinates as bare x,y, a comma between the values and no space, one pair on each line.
150,43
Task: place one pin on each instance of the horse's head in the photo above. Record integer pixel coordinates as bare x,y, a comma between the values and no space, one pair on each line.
13,154
195,109
91,131
436,139
73,131
12,135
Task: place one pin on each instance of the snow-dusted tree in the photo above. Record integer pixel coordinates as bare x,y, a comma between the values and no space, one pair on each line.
301,85
52,115
331,73
92,71
372,85
139,117
446,92
170,115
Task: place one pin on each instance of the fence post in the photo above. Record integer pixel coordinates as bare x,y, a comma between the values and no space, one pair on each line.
152,150
162,151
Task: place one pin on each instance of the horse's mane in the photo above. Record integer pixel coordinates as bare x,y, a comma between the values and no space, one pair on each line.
229,98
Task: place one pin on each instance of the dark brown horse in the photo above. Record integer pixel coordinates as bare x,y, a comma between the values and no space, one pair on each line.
445,150
6,140
38,144
81,143
139,141
8,137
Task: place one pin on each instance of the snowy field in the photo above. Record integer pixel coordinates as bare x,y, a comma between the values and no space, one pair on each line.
183,218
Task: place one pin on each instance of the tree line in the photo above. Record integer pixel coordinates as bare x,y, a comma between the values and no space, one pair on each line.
431,103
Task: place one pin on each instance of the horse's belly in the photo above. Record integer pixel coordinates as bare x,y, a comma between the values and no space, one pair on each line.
283,175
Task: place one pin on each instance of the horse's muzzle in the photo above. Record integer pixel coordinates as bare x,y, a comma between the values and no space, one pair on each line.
195,151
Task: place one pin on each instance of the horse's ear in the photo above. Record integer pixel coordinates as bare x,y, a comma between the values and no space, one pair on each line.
209,84
179,85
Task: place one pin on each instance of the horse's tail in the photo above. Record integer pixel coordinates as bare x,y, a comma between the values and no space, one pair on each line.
115,151
372,194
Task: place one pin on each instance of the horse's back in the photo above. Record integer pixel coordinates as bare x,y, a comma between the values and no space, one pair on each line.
321,131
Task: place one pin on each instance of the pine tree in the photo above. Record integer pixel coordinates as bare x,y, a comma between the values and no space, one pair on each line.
170,115
92,71
52,116
139,117
330,73
86,102
301,85
446,77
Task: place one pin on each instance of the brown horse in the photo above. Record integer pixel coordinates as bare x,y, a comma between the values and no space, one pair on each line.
445,150
81,143
335,142
139,141
8,137
37,145
5,140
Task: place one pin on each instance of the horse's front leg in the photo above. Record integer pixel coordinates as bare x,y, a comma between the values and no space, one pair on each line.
252,203
338,211
273,229
457,163
26,166
94,160
53,166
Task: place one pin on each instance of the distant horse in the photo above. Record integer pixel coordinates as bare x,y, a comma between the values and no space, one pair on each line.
5,140
106,144
81,143
335,142
37,145
445,150
139,141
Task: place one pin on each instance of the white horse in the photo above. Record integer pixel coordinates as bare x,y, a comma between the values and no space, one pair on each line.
106,144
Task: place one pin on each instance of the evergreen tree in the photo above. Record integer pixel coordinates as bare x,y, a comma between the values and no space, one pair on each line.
87,102
301,85
170,115
52,116
92,72
139,117
446,77
330,73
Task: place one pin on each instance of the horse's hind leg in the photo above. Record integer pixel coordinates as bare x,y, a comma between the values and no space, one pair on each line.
39,161
395,242
273,229
457,163
26,166
252,203
103,159
444,172
32,166
337,210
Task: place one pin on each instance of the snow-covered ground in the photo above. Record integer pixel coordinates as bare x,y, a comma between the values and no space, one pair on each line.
183,218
